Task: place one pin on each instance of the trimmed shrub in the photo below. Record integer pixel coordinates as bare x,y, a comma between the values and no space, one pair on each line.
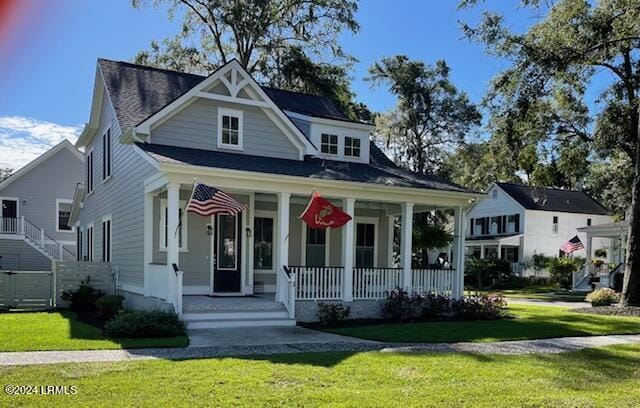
331,314
399,306
432,306
109,306
83,298
603,297
487,307
561,271
139,324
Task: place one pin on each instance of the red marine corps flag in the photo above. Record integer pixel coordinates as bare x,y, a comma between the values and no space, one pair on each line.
320,213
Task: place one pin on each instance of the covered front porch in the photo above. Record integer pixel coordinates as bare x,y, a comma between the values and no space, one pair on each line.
603,273
499,247
267,251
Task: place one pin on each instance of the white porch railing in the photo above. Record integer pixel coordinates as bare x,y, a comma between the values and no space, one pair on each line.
327,283
375,283
438,281
9,225
288,296
317,282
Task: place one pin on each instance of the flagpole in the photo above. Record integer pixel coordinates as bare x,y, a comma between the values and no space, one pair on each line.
184,210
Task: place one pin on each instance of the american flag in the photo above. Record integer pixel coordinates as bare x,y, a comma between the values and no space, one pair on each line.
572,245
206,200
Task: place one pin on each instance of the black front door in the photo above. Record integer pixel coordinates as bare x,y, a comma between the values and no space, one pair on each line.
9,222
9,209
227,244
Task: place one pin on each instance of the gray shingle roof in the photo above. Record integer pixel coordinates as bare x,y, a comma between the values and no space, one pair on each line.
553,199
380,171
137,92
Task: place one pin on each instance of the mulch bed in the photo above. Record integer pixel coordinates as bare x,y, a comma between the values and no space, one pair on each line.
632,311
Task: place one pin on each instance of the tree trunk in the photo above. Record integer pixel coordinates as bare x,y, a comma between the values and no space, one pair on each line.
631,286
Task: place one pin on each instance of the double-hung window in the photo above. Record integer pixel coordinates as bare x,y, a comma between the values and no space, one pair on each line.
106,155
89,172
63,212
365,245
329,144
316,247
511,223
351,146
106,239
90,243
230,128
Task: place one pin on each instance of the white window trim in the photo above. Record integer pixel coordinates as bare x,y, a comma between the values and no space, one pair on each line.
104,135
366,220
327,246
273,215
58,202
161,227
339,144
233,113
110,219
344,147
90,246
91,178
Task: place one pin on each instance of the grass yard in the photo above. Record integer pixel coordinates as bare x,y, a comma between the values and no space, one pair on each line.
531,322
596,377
61,331
549,293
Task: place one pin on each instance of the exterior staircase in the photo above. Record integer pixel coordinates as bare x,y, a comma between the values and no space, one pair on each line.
203,312
22,228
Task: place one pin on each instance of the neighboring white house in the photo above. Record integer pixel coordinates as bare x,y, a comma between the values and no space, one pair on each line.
152,132
36,204
517,221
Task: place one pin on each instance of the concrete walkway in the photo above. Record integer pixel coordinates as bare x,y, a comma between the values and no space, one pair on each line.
546,346
540,302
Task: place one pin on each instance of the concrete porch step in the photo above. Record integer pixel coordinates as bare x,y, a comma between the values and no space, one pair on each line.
230,304
217,324
233,315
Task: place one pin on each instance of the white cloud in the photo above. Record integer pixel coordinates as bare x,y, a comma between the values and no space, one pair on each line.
23,139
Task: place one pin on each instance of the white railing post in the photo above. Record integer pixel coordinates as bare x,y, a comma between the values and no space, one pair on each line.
22,225
42,238
178,302
60,250
348,206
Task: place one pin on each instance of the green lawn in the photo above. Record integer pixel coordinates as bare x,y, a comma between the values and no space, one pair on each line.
596,377
530,322
549,293
61,331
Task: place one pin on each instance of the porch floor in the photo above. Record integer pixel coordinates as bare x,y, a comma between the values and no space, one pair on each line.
261,302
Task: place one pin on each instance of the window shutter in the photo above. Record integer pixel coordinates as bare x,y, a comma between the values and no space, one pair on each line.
504,223
487,225
500,225
517,222
471,231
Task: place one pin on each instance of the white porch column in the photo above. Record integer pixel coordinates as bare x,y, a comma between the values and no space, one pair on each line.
499,250
148,242
249,222
282,257
481,251
406,242
348,206
588,250
173,203
459,236
390,236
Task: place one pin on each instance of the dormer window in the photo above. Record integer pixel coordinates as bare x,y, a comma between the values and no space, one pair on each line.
494,194
229,129
329,144
351,146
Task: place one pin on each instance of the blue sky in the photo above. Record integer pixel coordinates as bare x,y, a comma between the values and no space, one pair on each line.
45,89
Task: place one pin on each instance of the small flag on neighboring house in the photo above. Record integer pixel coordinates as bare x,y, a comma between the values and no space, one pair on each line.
320,213
572,245
206,200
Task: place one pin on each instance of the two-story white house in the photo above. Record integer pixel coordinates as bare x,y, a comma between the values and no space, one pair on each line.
152,132
516,221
